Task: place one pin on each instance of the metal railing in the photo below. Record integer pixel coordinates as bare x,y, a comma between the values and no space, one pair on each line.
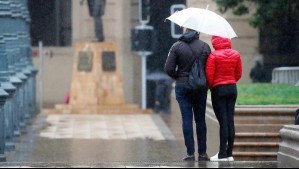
285,75
17,74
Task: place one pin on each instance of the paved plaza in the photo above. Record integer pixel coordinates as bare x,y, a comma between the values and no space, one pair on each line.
113,141
105,127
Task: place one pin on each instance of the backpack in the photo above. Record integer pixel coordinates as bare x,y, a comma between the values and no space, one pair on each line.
197,78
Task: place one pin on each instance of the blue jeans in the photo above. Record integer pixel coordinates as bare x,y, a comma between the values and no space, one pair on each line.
191,103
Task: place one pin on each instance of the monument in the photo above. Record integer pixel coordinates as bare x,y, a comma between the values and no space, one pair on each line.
97,85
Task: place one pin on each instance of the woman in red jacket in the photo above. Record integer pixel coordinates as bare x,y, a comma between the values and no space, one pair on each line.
224,70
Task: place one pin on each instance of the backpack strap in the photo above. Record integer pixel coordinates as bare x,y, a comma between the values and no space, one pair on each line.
196,58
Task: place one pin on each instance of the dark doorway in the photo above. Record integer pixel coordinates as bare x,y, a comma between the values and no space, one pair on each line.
51,22
160,10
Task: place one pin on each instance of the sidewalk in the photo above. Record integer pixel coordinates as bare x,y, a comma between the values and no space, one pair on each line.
72,139
93,141
143,165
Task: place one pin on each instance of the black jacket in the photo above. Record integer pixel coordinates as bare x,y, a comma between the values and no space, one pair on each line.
180,58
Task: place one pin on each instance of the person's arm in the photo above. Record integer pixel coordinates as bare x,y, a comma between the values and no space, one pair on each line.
171,63
206,53
210,70
239,70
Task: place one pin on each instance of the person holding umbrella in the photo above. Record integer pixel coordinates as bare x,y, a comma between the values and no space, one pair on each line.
223,71
181,57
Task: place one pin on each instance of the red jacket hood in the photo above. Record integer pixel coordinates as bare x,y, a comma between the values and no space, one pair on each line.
221,43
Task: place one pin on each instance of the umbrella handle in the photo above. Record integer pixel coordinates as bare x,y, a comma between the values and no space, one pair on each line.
208,5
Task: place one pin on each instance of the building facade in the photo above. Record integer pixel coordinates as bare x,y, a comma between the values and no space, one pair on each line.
120,18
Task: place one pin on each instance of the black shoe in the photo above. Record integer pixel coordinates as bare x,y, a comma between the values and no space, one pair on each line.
203,157
189,158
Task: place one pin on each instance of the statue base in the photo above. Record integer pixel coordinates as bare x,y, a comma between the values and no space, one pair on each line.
97,85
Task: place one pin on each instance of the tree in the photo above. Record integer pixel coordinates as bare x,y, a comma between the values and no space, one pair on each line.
277,21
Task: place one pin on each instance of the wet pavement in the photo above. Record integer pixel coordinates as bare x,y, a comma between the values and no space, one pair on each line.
143,165
36,148
146,141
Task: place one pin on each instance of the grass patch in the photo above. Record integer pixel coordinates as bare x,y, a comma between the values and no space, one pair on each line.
267,94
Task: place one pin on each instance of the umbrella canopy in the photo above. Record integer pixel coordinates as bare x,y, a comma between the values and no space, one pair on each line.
205,21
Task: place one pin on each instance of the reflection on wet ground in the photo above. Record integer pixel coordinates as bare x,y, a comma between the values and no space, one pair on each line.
145,165
163,150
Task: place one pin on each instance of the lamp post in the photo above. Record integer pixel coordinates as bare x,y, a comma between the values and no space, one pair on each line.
142,38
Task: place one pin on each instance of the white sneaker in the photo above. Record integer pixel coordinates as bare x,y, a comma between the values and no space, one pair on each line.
230,159
216,159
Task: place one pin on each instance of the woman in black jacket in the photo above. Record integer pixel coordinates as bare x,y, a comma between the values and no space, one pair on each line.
178,65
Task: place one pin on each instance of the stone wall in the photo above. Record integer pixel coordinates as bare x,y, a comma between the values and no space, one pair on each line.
288,155
57,75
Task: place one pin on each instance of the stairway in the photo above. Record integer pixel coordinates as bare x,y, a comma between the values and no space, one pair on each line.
257,131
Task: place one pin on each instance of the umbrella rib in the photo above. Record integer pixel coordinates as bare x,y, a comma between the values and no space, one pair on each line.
204,21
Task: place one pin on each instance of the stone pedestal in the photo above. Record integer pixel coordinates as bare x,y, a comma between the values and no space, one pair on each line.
97,85
21,102
288,155
8,111
17,83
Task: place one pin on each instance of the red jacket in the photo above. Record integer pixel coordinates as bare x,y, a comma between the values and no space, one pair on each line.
224,65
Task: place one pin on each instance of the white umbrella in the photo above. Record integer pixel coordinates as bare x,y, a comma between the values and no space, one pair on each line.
203,20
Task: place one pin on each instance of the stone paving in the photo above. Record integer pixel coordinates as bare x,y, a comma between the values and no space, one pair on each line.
129,141
143,165
106,127
52,139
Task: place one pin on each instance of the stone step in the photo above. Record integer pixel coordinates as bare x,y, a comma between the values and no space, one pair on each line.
265,120
261,128
256,146
269,106
257,137
265,112
255,156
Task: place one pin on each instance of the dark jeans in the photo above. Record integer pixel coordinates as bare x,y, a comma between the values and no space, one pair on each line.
224,99
193,102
